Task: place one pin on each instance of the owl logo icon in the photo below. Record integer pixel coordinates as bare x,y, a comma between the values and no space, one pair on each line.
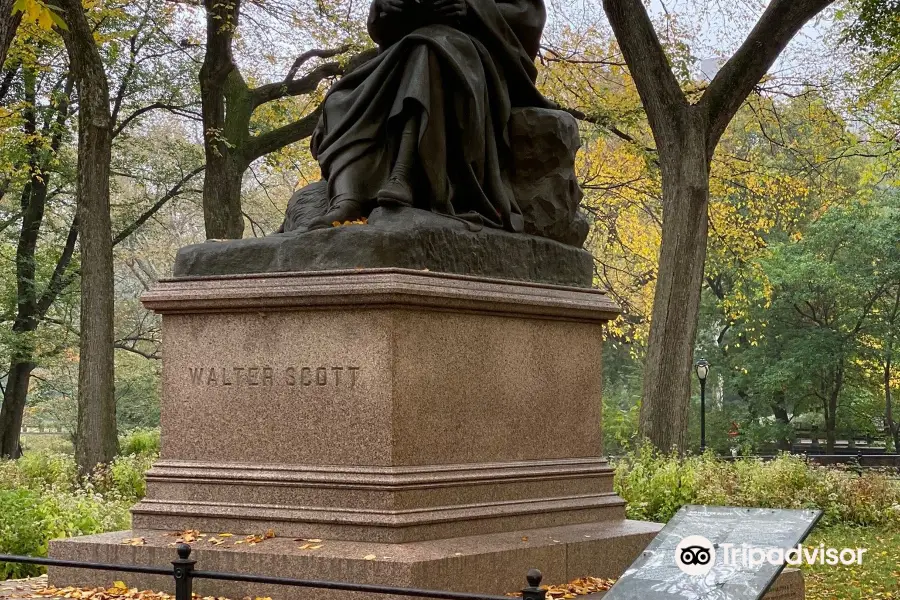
695,555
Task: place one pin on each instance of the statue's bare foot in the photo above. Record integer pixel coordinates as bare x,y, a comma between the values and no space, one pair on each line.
345,210
396,192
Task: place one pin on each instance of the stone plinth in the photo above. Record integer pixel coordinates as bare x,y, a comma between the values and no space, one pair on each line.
395,237
444,424
492,563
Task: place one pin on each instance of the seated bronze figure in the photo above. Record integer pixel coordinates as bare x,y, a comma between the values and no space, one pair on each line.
443,143
425,123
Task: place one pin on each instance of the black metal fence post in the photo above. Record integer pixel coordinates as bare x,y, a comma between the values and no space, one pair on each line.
184,573
534,591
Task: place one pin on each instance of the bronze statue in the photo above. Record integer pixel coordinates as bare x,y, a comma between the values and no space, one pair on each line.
424,123
443,143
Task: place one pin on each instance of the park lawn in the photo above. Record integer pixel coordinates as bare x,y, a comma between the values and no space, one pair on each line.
47,442
876,579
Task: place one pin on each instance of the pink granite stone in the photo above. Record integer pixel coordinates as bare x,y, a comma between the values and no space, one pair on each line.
448,426
488,564
379,405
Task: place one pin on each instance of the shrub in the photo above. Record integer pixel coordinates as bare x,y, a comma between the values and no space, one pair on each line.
22,530
38,469
139,441
42,498
656,486
126,476
30,518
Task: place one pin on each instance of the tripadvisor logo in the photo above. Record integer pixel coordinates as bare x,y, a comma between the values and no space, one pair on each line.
696,555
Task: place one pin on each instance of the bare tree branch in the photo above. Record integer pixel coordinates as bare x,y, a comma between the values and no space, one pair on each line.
310,54
178,109
604,123
281,137
173,191
779,23
657,86
295,87
155,355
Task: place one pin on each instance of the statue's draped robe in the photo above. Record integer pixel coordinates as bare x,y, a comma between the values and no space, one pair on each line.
461,83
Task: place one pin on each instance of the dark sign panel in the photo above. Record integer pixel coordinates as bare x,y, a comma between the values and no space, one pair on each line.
719,553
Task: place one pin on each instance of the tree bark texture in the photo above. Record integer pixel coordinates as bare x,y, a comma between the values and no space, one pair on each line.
9,23
13,412
686,137
218,76
95,436
663,419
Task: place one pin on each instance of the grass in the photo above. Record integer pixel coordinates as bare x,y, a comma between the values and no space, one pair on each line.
47,442
878,578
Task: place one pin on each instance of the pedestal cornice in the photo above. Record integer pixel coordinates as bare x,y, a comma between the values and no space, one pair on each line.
378,288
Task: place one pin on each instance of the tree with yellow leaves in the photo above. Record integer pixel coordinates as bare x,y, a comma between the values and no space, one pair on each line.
686,134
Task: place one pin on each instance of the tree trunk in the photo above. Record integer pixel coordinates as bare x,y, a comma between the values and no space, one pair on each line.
222,214
13,411
684,131
831,410
219,76
892,429
779,410
9,23
95,435
830,434
228,103
32,203
676,304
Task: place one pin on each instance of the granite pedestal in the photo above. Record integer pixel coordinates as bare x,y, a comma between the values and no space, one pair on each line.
433,430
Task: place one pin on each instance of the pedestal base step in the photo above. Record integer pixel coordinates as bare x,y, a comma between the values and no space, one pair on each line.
490,564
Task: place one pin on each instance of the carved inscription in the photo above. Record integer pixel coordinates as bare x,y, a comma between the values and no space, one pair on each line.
345,377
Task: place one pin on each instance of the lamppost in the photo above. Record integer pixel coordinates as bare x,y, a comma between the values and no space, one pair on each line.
702,369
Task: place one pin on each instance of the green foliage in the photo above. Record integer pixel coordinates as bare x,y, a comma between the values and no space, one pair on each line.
798,334
140,441
621,399
656,486
36,470
126,476
876,26
30,518
22,529
42,498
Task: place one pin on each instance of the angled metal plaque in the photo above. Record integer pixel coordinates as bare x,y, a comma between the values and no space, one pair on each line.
716,553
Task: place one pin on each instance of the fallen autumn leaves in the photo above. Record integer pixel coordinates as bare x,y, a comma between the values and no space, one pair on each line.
579,587
119,591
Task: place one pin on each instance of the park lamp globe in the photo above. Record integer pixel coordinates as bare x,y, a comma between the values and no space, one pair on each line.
702,368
